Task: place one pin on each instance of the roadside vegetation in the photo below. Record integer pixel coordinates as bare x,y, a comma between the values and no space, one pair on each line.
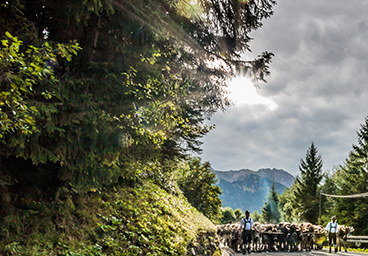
102,105
116,220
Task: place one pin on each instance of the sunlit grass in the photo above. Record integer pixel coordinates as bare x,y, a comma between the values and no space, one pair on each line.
118,220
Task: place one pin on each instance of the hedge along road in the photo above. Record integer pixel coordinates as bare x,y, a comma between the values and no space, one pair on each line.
324,252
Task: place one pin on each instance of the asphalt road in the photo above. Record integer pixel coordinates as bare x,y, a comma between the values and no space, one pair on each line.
323,252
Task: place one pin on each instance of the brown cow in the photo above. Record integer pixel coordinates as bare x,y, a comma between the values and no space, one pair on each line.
236,238
341,236
256,237
268,238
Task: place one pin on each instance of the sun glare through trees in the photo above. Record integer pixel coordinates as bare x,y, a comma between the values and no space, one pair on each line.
242,91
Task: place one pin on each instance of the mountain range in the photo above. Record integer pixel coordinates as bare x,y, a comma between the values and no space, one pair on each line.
247,189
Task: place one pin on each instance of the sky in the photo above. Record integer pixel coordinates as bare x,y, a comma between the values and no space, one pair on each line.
317,91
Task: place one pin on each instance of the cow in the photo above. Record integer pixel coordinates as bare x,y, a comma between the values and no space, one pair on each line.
264,238
282,236
307,242
268,237
284,229
293,238
256,237
320,235
307,231
224,232
342,233
292,241
236,238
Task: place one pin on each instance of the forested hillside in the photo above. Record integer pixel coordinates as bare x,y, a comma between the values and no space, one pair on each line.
100,93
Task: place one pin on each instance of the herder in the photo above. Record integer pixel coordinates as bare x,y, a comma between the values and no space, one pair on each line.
246,226
332,228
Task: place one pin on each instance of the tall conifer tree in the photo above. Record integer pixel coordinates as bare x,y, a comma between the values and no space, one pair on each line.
270,210
306,196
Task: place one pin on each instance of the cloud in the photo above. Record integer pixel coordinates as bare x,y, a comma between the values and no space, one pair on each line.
318,80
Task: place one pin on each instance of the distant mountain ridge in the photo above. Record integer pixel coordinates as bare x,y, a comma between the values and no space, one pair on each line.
247,189
279,175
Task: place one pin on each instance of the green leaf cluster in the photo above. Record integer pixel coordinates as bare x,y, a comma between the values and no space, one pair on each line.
227,215
20,70
198,183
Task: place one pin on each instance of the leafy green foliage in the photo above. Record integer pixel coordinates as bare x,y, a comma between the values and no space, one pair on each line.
288,210
256,216
20,70
198,183
238,214
227,215
230,215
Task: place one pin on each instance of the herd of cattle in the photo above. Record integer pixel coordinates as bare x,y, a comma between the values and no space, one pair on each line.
281,237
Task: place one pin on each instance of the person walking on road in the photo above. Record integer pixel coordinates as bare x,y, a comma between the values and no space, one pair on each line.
332,228
246,226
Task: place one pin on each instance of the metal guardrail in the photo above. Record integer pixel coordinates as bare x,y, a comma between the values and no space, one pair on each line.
358,240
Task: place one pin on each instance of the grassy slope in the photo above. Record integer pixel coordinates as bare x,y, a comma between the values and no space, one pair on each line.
120,220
